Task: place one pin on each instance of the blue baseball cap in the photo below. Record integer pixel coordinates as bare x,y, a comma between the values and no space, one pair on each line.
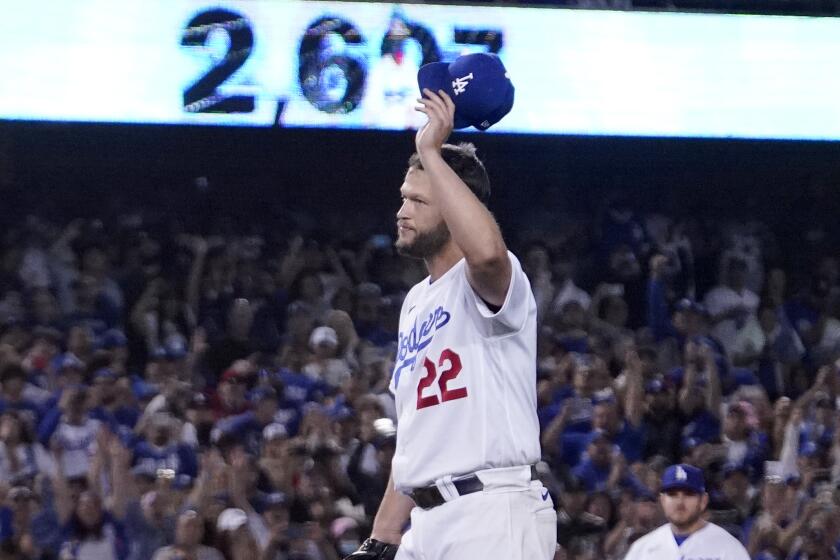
655,386
478,84
105,373
182,482
731,468
596,435
68,360
687,304
809,449
113,338
262,393
683,477
691,443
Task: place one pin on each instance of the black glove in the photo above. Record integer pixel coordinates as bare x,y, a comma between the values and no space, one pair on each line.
373,549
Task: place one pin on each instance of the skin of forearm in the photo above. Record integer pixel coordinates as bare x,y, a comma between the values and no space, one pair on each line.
392,515
470,223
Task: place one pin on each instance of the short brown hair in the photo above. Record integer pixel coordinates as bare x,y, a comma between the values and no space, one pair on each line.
465,163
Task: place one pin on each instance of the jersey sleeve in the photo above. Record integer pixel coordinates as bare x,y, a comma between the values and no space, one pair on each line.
634,552
513,313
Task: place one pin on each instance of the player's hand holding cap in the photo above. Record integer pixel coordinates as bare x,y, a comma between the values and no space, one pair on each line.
478,84
683,477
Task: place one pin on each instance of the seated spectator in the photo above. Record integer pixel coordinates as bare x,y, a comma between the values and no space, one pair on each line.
604,468
661,421
563,269
230,396
731,304
113,402
247,428
189,532
13,380
18,529
746,445
159,446
71,433
21,457
234,537
90,531
324,364
367,315
574,523
699,397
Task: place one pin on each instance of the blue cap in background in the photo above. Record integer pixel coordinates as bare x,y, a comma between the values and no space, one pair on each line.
683,477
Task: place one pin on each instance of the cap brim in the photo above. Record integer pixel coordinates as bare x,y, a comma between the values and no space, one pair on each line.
682,487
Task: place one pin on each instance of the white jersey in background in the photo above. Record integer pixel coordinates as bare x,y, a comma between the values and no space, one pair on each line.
709,543
78,444
464,380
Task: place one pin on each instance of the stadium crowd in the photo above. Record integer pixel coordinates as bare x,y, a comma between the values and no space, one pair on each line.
168,395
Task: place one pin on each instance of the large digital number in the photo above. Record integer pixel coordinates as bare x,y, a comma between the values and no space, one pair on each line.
331,76
493,39
446,394
332,80
400,30
203,96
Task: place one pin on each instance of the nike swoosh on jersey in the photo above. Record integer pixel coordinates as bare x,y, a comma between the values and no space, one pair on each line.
545,495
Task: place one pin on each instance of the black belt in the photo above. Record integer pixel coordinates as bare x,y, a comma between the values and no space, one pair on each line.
428,497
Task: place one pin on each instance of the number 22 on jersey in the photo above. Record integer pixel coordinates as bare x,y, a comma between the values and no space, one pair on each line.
447,375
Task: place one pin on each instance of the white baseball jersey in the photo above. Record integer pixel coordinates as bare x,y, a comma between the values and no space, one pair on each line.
464,380
709,543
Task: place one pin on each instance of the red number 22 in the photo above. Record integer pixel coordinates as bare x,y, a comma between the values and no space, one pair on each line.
446,376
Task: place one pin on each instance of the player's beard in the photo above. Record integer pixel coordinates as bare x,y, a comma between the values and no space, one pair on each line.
685,525
426,244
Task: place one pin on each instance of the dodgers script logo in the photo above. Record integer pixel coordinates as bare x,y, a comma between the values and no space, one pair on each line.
417,339
460,84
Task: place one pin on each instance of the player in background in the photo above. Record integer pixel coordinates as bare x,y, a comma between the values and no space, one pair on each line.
687,534
465,374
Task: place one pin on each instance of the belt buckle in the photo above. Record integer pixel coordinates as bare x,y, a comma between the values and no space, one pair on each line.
424,497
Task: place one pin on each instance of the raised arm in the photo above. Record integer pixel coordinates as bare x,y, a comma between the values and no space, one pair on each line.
689,378
122,483
470,223
634,402
550,439
63,503
713,398
199,248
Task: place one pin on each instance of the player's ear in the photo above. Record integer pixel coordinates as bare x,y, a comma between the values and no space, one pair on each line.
704,500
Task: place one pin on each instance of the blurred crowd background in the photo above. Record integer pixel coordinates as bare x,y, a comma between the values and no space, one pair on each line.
167,392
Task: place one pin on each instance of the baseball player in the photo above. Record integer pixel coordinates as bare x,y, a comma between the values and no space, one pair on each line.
687,535
464,377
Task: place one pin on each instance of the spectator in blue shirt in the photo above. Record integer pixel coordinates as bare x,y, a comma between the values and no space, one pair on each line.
17,524
604,467
699,397
247,428
113,403
13,379
160,448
